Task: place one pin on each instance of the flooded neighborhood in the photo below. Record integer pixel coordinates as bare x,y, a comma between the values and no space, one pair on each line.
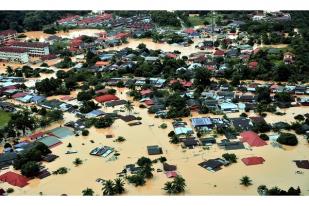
155,103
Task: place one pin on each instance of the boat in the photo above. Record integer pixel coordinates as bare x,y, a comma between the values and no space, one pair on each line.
95,151
70,152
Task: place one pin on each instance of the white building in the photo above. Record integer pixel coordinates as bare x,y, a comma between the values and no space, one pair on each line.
7,35
33,48
14,54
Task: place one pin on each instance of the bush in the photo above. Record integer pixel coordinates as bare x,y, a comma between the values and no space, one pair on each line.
171,133
30,169
230,157
163,126
142,106
137,180
61,170
288,139
85,132
264,137
10,190
243,115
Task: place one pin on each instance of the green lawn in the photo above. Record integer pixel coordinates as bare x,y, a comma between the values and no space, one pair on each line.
4,118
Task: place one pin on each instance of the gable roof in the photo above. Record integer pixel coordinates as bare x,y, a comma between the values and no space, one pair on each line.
252,139
14,179
253,160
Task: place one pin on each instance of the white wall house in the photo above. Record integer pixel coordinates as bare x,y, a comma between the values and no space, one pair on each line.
14,54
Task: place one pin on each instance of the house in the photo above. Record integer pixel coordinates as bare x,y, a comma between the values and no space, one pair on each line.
94,113
252,139
106,98
154,150
33,48
253,65
228,107
213,165
211,104
6,159
37,99
151,59
300,90
225,95
14,179
253,160
207,141
219,53
288,58
168,167
246,98
50,141
189,142
201,122
182,130
241,123
226,144
193,104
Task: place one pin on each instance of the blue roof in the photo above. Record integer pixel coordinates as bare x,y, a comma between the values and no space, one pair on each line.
95,113
198,122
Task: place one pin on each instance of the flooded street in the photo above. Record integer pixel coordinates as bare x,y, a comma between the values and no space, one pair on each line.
277,170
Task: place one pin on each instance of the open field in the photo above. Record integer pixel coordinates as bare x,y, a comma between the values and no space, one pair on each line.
4,118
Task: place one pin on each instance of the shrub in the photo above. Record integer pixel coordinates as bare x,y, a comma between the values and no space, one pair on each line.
288,139
85,132
10,190
264,137
163,126
171,133
230,157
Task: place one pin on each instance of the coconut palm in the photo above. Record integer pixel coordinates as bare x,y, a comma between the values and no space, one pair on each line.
147,171
119,186
87,192
108,188
169,187
77,162
179,184
245,181
129,107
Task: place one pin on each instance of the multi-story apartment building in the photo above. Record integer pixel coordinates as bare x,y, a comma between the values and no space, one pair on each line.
14,54
33,48
7,35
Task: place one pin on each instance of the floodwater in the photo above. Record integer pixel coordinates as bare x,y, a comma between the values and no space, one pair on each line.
185,51
277,170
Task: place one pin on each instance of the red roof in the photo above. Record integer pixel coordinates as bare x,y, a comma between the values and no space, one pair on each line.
253,160
171,174
102,63
14,179
18,95
189,30
67,19
219,53
171,55
30,44
149,102
35,135
7,32
145,92
252,139
182,82
66,97
252,65
106,98
13,50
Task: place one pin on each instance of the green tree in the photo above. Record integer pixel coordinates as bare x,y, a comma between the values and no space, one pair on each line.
77,162
245,181
129,107
108,188
88,192
119,186
30,169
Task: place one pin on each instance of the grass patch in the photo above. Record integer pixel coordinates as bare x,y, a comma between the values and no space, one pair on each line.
4,118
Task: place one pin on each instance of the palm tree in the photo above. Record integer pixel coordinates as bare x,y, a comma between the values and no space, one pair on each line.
119,186
147,171
77,161
179,184
129,107
87,192
246,181
108,188
169,187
